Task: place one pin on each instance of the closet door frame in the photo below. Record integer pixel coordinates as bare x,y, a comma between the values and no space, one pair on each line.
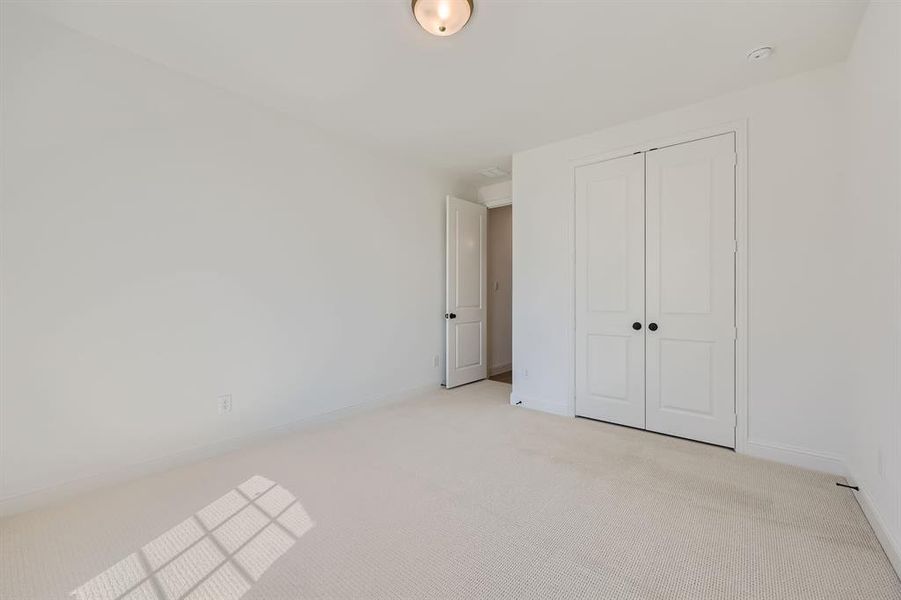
645,143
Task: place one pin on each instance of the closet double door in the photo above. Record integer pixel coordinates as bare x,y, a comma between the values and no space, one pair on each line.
655,290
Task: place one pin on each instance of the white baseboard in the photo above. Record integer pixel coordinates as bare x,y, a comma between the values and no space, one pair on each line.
799,457
499,369
55,493
555,408
890,545
792,455
832,464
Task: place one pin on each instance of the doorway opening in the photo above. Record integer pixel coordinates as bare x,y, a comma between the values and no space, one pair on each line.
500,293
479,292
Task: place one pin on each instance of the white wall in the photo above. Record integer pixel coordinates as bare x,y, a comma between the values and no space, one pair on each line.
797,381
165,242
500,289
873,222
495,194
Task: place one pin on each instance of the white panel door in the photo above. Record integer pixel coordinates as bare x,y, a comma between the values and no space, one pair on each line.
690,266
466,355
610,291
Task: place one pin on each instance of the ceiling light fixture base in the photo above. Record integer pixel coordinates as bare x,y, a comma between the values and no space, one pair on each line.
442,17
758,54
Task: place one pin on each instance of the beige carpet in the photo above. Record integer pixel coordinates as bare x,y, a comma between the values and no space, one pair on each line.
456,495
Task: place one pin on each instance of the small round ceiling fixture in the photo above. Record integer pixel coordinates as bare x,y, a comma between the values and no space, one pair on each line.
442,17
758,54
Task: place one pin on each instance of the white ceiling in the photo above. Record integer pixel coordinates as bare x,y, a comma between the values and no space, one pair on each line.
520,74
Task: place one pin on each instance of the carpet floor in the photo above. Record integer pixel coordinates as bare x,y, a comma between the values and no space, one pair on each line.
455,494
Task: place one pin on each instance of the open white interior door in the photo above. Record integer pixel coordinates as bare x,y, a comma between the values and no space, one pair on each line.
466,356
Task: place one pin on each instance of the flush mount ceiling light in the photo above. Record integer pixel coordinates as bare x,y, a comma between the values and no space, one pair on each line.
761,53
442,17
493,172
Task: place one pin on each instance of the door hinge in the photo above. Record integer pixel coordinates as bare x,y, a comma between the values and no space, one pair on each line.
734,246
735,333
734,159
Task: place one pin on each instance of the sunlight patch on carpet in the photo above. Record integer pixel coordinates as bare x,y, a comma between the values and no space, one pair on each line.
218,553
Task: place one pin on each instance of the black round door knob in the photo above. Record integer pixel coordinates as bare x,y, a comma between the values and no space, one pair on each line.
636,325
652,326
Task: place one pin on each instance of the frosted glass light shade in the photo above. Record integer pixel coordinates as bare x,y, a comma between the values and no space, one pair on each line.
442,17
